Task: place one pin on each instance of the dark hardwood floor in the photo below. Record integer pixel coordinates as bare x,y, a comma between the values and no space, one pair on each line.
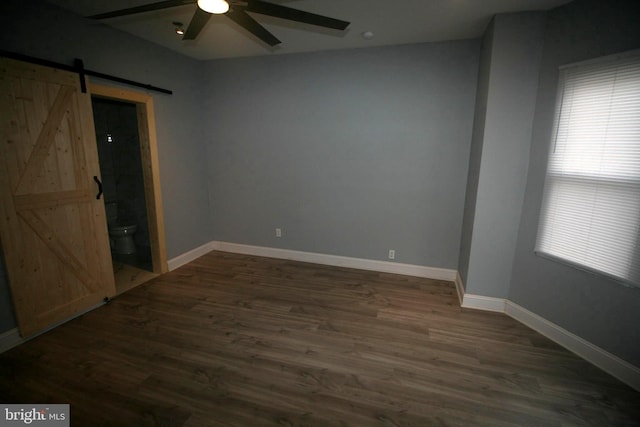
234,340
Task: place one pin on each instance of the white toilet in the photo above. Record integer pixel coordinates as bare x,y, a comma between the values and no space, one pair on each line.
120,235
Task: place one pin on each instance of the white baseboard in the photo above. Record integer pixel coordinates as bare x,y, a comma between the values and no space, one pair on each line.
616,367
10,339
606,361
187,257
480,302
622,370
338,261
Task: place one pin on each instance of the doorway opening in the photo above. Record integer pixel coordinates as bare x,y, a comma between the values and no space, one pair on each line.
127,151
116,124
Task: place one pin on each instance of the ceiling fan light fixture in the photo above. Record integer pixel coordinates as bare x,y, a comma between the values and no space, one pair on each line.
214,6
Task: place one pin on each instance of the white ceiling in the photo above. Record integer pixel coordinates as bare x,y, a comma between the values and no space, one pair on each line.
392,22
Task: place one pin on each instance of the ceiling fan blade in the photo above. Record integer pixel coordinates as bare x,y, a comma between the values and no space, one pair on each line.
144,8
199,20
278,11
240,17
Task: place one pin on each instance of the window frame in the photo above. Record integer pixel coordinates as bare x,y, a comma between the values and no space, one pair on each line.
553,140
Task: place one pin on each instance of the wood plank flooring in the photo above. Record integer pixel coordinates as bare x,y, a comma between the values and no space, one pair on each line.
234,340
128,277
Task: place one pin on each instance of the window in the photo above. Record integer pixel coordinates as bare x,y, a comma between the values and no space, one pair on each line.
590,213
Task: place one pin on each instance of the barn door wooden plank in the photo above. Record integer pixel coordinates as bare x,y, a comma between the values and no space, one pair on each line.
50,238
48,200
52,229
45,139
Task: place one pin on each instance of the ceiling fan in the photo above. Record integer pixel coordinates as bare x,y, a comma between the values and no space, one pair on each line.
236,10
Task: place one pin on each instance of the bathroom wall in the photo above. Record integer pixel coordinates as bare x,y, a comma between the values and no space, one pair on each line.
120,164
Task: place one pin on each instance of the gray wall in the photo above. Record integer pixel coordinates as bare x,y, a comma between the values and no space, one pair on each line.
475,158
504,137
38,29
592,307
351,153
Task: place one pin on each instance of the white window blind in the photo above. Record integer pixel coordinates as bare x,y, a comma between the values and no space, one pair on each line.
590,215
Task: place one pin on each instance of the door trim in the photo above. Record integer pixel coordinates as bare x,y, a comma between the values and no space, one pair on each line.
150,165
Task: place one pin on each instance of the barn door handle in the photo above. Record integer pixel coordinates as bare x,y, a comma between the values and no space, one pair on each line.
95,178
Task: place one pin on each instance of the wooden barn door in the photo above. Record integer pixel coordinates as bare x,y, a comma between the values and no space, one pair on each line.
52,227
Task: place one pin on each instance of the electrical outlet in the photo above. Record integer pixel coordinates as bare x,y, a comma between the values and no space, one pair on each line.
278,232
392,254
